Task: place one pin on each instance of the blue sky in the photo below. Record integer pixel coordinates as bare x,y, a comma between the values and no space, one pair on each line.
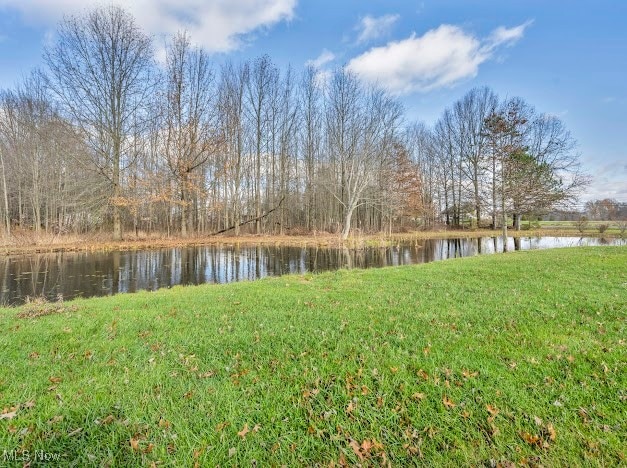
567,58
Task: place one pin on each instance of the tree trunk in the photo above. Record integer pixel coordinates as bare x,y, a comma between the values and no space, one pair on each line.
184,204
348,214
516,218
117,221
504,221
7,218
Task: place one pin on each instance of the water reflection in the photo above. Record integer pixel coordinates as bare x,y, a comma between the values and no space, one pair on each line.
70,275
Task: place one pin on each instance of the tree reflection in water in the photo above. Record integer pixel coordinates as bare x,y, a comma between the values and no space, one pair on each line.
69,275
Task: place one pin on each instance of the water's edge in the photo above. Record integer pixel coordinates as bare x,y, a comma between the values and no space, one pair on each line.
69,275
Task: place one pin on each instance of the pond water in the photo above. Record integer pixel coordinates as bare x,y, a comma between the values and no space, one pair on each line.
70,274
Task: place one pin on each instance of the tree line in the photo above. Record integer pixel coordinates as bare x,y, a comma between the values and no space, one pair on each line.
106,137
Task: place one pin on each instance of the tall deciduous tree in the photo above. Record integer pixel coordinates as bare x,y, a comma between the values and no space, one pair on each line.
190,135
100,68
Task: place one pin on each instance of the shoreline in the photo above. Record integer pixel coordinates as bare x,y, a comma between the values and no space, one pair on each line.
325,240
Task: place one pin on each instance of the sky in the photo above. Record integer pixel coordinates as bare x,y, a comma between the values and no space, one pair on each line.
565,57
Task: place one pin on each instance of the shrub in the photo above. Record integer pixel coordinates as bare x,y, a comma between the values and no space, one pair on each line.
581,224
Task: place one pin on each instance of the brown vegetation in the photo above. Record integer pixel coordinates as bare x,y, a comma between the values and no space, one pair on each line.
26,243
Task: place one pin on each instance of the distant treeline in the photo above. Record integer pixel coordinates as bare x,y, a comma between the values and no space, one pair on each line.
105,137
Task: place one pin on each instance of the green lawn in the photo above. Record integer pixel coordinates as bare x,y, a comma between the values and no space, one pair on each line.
506,358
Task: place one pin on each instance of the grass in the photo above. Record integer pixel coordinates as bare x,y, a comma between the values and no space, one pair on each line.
515,358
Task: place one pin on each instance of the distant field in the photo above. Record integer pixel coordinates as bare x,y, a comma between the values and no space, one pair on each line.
514,358
608,227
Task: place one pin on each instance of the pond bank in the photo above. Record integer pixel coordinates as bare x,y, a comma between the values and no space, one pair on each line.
30,244
67,275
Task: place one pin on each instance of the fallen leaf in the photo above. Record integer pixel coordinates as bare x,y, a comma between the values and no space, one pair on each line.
244,431
222,425
55,380
350,408
493,410
109,419
377,445
164,423
413,450
256,428
149,448
537,420
29,404
134,444
366,445
232,451
74,432
584,415
530,439
8,415
447,402
55,419
551,430
418,396
357,449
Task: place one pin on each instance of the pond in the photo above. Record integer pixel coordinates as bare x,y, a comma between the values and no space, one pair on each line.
69,275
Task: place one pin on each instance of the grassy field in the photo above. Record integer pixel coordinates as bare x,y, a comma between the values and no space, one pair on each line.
511,359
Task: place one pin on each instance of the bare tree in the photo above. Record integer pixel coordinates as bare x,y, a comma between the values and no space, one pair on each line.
311,135
100,65
471,112
263,75
5,142
361,127
232,126
190,136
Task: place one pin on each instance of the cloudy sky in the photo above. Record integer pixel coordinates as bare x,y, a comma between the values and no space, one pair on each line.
567,58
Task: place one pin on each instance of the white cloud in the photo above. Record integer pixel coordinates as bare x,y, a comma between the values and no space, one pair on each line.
439,58
502,35
372,28
325,57
217,25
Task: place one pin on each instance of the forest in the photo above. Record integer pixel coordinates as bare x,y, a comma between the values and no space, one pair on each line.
111,135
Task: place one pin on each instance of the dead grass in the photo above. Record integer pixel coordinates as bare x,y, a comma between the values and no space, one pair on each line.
26,242
40,307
